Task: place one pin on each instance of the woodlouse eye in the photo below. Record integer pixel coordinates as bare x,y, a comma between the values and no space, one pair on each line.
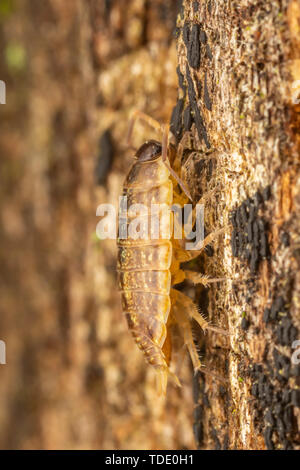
150,150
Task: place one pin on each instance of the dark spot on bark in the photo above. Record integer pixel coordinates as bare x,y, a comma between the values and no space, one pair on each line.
254,390
295,398
205,400
282,365
266,193
94,376
107,7
252,212
249,232
203,36
198,425
288,418
181,80
176,125
194,47
249,240
280,428
261,382
186,34
207,100
264,247
244,324
195,6
105,158
266,315
216,439
256,234
293,334
258,198
208,52
295,371
269,418
278,305
197,116
269,393
187,118
260,66
268,438
196,387
254,261
176,32
226,442
285,238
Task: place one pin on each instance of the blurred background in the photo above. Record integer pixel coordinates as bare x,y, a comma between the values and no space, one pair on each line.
74,71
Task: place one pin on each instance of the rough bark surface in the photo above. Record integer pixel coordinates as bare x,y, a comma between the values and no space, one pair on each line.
238,63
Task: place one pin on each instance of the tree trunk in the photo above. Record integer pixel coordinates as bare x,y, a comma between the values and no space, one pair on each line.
238,67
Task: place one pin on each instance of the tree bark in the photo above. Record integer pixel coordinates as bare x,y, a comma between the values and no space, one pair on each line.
238,68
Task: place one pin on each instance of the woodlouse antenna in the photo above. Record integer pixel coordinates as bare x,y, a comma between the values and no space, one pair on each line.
145,119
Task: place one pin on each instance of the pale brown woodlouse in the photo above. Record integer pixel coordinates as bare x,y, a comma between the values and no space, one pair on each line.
148,269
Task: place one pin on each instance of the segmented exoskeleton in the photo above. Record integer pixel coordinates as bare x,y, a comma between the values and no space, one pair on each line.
148,268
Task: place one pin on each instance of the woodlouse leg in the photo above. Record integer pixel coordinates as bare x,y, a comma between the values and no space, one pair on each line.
164,372
180,149
167,346
199,278
161,381
182,319
164,154
178,277
210,238
207,196
192,151
185,304
162,375
182,255
180,199
144,118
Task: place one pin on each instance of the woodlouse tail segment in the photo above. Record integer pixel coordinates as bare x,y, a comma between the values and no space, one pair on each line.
162,375
174,378
161,381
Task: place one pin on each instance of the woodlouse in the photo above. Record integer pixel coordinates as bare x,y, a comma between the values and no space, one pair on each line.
148,268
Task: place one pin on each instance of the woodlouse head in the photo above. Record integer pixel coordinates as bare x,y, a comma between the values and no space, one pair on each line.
149,151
